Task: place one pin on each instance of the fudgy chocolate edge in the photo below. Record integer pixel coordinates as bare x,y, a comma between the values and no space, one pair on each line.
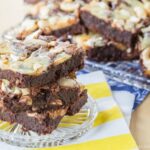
77,105
115,34
77,28
48,125
42,102
53,74
144,70
110,53
31,123
73,29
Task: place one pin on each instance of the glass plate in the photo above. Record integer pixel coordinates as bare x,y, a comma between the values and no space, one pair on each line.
70,128
128,72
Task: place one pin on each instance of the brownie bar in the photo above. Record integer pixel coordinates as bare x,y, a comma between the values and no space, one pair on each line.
144,38
110,53
58,16
49,97
144,46
100,49
42,123
122,24
33,28
145,62
73,30
55,18
36,62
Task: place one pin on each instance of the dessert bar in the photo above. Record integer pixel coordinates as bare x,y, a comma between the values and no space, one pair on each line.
57,17
41,123
61,94
99,48
31,28
33,89
37,62
144,46
78,104
120,24
145,61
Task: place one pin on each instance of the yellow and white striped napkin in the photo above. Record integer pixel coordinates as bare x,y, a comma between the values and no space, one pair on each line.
110,131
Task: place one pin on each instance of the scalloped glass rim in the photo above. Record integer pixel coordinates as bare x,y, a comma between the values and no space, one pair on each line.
62,135
128,72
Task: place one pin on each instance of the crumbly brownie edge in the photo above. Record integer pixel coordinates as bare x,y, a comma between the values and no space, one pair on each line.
48,125
145,71
77,105
74,29
110,53
31,123
77,28
98,25
42,103
54,73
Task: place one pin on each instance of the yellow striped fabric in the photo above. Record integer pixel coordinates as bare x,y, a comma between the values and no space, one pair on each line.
110,131
106,116
121,142
98,90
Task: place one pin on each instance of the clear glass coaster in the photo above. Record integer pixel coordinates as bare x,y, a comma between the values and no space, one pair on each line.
70,128
128,72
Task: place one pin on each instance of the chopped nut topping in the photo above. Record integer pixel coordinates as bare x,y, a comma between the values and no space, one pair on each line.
129,15
26,99
56,102
34,56
57,113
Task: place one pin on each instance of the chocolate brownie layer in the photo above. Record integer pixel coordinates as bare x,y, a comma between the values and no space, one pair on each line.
100,49
97,25
73,30
121,25
78,104
59,95
42,123
37,62
43,28
33,29
53,18
110,53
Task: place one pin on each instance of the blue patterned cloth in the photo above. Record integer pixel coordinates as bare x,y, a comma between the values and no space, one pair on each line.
139,93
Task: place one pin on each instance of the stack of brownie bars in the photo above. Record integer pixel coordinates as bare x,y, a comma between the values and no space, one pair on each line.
38,86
